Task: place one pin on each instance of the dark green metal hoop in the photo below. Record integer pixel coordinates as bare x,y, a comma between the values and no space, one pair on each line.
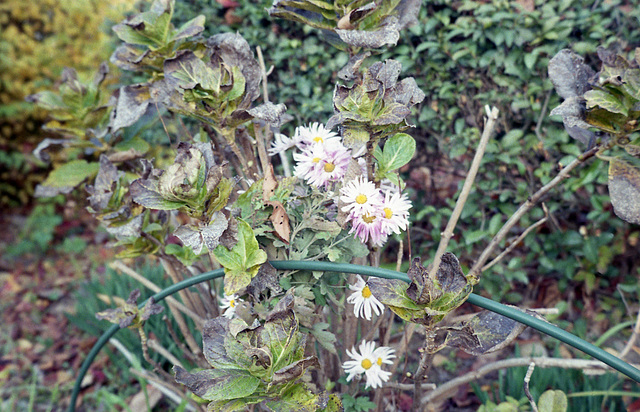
515,314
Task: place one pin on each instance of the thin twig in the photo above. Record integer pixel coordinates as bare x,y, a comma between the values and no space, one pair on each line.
182,325
399,258
515,243
476,269
157,347
541,117
408,386
541,362
632,340
188,297
466,189
119,266
404,344
527,392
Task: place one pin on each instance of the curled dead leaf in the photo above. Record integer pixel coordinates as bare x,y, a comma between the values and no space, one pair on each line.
280,221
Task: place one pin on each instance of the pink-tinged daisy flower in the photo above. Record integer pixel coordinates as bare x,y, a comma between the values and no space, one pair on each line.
368,226
363,300
396,212
314,133
361,197
229,304
369,361
333,165
280,143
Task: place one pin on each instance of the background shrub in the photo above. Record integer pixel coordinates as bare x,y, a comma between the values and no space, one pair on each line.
38,39
464,55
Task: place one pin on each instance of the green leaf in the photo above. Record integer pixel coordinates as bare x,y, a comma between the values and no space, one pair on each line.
71,174
553,401
334,404
605,100
239,84
324,337
190,28
242,262
184,254
398,151
218,384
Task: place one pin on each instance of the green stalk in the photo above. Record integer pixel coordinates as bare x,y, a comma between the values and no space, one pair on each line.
485,303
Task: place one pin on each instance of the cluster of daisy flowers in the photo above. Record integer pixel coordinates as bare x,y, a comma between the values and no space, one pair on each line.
322,160
374,212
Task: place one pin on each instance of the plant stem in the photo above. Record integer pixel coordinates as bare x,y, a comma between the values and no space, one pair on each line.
527,392
423,368
476,269
464,194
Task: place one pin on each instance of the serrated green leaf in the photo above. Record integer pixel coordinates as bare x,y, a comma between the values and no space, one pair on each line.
71,174
324,337
398,151
242,262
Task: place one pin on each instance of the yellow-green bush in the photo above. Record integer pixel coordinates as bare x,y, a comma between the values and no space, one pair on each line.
38,38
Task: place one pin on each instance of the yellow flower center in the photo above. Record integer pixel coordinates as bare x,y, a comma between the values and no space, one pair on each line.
318,139
366,363
315,159
329,167
379,361
361,199
368,219
232,303
388,213
366,292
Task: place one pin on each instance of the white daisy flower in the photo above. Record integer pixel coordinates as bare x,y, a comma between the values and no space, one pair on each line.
229,303
363,300
396,212
369,362
280,143
314,133
309,161
361,197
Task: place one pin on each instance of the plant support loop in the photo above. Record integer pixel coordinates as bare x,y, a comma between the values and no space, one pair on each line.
510,312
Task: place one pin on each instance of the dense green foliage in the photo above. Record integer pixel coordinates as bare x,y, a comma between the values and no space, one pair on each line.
464,56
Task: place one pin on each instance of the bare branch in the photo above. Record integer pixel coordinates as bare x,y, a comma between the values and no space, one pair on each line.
515,243
476,269
466,189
